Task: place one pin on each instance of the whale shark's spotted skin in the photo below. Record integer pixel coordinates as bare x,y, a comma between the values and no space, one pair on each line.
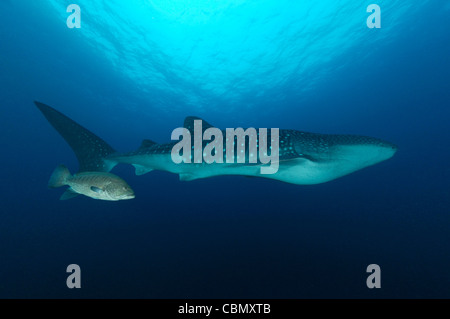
304,158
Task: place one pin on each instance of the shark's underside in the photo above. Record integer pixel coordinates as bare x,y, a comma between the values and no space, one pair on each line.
304,158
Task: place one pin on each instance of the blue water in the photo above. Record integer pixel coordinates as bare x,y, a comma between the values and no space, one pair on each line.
135,69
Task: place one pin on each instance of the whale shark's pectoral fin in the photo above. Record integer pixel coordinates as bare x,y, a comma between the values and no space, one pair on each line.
68,194
141,170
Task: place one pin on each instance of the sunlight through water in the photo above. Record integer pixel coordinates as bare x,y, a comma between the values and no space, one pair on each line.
235,53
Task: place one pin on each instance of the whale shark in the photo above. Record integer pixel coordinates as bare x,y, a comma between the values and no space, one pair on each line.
304,158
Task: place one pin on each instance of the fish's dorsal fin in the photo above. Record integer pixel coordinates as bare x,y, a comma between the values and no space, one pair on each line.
147,143
189,123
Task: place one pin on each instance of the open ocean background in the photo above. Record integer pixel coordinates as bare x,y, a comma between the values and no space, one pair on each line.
135,69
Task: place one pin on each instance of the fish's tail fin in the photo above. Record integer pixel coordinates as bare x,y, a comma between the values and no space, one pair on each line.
59,177
90,150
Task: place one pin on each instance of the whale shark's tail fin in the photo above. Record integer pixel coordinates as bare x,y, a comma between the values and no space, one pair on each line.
90,149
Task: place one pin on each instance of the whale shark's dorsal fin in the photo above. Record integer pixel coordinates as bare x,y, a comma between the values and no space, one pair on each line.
88,147
147,143
189,123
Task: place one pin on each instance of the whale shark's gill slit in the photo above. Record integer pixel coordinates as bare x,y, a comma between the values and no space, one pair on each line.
89,149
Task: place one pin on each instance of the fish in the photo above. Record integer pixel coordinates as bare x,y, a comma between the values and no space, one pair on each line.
97,185
304,158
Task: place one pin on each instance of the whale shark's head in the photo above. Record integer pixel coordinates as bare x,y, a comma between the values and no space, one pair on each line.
332,156
360,151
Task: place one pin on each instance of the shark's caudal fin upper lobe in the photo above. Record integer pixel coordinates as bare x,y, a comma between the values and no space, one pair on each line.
90,149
